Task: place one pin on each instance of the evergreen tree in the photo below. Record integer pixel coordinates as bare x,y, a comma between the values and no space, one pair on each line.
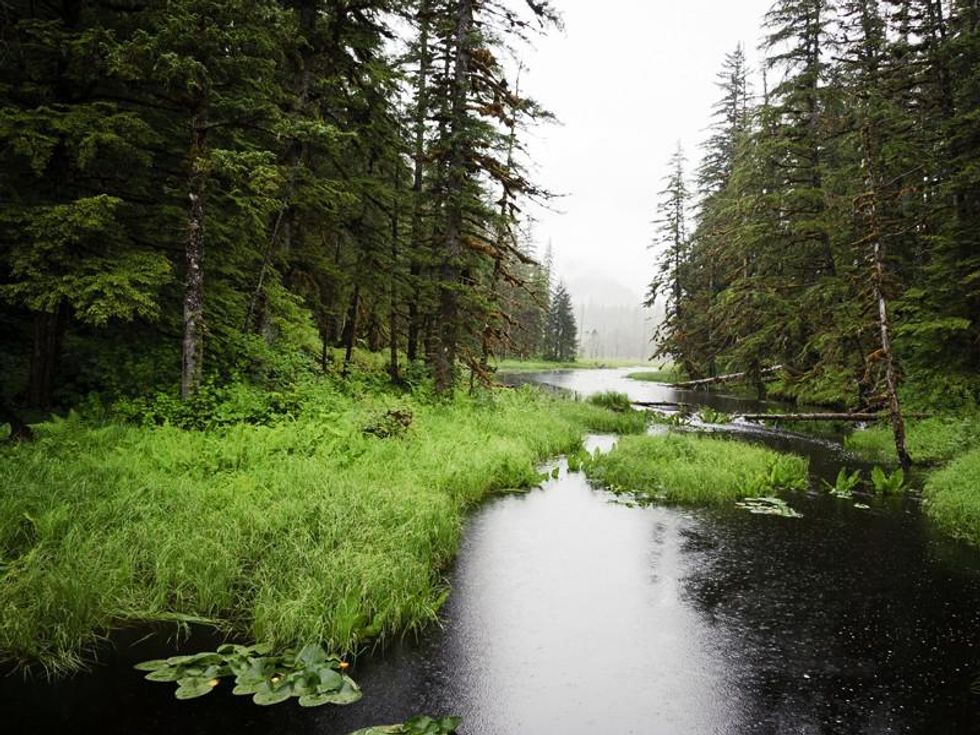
560,331
672,237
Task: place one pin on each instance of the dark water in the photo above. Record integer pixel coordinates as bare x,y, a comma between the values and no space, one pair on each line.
572,613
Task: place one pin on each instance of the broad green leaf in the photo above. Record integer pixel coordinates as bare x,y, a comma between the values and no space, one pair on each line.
168,674
151,665
273,697
193,688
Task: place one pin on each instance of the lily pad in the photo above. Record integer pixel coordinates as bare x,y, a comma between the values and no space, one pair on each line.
191,688
768,506
272,697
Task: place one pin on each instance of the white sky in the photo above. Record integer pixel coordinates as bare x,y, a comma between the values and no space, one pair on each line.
627,79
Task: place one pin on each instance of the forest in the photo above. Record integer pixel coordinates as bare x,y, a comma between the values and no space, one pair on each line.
203,192
831,225
292,401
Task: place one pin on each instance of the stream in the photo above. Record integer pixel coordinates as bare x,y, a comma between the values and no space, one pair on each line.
573,612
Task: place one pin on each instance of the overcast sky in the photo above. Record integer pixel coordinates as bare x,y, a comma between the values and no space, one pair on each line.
627,79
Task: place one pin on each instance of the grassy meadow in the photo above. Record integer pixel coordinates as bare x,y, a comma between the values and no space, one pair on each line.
328,524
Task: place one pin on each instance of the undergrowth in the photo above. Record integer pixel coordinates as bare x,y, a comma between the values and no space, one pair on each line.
303,528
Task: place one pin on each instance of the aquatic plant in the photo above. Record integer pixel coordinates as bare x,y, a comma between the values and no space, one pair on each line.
612,400
421,725
690,468
678,418
310,674
768,506
709,415
887,483
845,483
578,460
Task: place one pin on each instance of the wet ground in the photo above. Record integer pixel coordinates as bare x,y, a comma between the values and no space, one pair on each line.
574,613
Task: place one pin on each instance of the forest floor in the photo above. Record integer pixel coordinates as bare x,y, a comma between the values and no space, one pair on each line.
330,523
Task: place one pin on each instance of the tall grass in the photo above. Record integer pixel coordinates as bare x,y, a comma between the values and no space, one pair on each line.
953,497
306,530
688,468
929,441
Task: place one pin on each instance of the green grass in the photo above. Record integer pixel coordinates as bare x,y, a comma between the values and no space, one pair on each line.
929,441
687,468
306,530
612,400
666,375
953,497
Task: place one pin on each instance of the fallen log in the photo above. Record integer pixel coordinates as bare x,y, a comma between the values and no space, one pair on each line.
821,416
659,404
765,374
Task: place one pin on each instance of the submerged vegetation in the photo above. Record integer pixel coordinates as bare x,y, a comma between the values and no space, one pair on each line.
305,530
687,468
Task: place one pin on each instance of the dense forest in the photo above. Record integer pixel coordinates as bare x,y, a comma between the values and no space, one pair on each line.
195,192
832,224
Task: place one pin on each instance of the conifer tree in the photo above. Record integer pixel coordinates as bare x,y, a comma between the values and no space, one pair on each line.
560,332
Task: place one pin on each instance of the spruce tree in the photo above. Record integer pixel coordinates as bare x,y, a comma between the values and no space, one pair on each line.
560,331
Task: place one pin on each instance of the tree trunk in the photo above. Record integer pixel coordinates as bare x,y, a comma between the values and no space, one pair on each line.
445,357
393,283
48,331
350,328
878,283
192,353
285,226
870,141
421,115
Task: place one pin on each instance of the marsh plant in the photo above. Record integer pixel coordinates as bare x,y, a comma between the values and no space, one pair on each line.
885,483
304,530
421,725
709,415
769,507
612,400
845,483
310,674
694,469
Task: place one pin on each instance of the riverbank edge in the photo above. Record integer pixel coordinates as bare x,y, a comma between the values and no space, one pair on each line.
321,527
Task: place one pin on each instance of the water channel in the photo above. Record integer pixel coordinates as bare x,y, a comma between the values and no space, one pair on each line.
575,613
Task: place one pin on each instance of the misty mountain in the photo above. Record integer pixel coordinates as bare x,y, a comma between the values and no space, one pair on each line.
612,322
